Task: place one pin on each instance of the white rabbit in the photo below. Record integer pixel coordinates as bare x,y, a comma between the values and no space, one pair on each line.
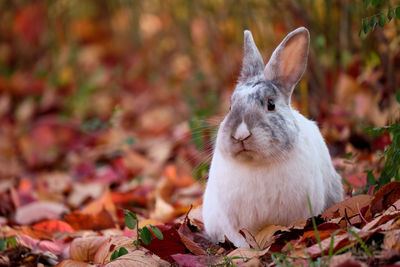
268,157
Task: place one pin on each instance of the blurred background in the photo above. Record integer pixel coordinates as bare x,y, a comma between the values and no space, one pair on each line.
130,93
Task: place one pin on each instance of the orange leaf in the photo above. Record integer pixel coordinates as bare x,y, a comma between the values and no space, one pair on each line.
53,226
81,221
73,263
179,180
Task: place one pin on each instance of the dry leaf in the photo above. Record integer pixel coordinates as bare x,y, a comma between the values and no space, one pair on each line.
73,263
113,243
103,203
265,237
351,205
191,246
54,226
38,211
54,247
82,191
85,248
385,197
246,254
81,221
250,239
138,258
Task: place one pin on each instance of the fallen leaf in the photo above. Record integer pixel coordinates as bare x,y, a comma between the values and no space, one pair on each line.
351,206
81,221
84,191
265,237
187,260
179,180
240,255
380,220
391,241
103,203
54,226
73,263
191,246
339,259
38,211
138,258
171,243
113,243
85,248
55,247
385,197
250,238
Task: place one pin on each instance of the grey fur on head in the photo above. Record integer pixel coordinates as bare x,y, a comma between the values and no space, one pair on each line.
269,134
253,63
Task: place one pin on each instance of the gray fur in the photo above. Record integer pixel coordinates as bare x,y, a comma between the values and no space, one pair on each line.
253,63
273,132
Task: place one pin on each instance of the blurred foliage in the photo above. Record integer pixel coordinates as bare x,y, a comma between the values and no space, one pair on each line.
76,52
380,18
390,156
166,62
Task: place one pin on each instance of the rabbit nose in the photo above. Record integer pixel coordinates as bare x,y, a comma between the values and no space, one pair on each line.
241,133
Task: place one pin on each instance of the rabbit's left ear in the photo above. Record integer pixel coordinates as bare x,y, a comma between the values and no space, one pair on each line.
288,62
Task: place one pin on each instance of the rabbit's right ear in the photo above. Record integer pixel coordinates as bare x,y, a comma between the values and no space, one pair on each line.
253,63
288,62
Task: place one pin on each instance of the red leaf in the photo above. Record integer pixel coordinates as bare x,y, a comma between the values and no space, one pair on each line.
82,221
53,226
54,247
171,244
187,260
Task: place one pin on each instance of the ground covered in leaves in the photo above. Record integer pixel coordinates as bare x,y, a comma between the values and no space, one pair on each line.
108,110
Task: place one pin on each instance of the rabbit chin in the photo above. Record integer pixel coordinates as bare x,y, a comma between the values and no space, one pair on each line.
247,156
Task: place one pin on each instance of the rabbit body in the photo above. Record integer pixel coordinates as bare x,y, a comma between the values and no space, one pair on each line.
268,157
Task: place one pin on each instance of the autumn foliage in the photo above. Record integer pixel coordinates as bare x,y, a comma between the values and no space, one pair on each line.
108,106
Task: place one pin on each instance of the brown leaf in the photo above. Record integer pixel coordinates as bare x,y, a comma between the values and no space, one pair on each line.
38,211
351,205
103,203
191,245
113,243
380,220
315,251
241,255
81,221
391,242
385,197
138,258
85,248
84,191
73,263
339,259
265,237
250,238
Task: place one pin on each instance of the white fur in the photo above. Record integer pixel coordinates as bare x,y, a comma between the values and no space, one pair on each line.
240,196
284,161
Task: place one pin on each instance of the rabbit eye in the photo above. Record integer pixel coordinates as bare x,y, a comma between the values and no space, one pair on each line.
271,105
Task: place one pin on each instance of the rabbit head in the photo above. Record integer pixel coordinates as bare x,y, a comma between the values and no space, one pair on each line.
260,126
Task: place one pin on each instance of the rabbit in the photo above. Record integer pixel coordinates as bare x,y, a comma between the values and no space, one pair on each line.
268,158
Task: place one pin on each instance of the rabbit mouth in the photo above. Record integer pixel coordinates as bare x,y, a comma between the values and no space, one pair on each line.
244,155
